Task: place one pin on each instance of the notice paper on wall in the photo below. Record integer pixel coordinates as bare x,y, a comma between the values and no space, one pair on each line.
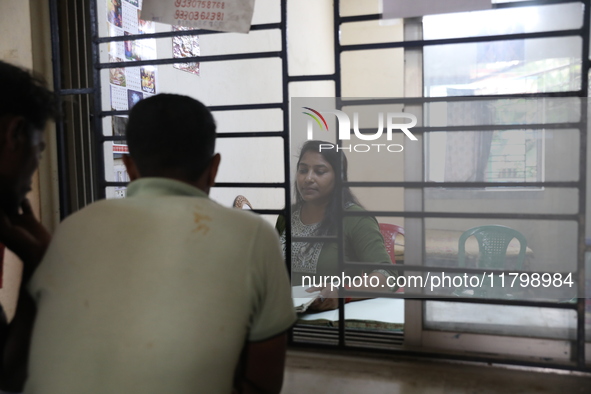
128,85
223,15
394,9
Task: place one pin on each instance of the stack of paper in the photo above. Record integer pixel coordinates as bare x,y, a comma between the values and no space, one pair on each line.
382,310
301,298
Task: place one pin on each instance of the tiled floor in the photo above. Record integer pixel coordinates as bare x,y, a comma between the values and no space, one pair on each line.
311,373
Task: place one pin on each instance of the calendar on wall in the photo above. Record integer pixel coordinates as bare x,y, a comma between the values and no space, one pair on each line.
129,85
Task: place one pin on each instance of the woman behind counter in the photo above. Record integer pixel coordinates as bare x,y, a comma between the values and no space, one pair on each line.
316,213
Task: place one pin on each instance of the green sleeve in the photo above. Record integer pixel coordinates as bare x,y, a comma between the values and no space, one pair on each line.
365,238
367,242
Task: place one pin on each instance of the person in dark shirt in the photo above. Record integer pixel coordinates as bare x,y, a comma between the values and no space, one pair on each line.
25,107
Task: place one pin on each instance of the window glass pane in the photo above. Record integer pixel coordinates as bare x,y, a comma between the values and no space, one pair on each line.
248,120
249,198
508,111
504,21
501,320
374,165
370,32
312,89
248,159
372,73
503,200
350,8
266,11
198,45
503,67
511,153
509,156
225,85
311,50
544,200
380,198
550,247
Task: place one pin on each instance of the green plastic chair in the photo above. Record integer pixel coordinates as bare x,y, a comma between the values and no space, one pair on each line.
493,241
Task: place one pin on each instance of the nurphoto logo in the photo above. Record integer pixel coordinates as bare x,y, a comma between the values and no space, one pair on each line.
344,130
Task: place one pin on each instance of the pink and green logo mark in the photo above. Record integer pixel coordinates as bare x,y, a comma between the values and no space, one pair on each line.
344,123
315,116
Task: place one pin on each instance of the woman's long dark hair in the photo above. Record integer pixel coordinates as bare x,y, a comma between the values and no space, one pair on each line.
338,161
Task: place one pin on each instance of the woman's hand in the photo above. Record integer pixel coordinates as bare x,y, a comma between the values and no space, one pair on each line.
381,286
329,300
25,236
326,301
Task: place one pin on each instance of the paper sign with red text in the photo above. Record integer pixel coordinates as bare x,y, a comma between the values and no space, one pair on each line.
222,15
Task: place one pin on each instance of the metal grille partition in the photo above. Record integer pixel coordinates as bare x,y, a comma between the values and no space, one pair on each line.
81,138
412,44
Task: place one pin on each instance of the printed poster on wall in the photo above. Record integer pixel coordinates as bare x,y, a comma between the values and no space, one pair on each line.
224,15
130,84
185,46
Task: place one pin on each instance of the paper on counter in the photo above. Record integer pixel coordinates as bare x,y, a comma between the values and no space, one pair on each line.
384,310
301,298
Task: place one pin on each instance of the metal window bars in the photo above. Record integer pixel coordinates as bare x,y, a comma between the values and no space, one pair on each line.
77,66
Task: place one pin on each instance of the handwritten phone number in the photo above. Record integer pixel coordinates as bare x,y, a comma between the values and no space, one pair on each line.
199,4
198,16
